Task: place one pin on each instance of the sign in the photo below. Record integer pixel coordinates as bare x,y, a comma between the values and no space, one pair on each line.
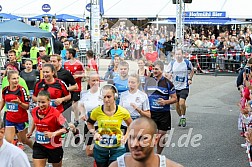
205,14
46,8
95,15
88,7
1,8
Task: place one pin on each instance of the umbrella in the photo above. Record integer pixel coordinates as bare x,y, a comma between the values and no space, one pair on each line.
68,18
39,17
6,16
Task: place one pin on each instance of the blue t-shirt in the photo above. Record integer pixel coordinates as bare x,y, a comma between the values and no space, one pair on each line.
159,89
63,57
119,52
121,86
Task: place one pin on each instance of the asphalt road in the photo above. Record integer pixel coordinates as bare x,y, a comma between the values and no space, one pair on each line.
212,136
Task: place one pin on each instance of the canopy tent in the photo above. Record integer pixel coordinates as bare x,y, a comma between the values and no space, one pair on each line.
59,18
6,16
128,8
39,17
68,18
17,28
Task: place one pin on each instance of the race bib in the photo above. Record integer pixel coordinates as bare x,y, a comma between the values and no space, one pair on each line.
12,107
52,103
180,79
108,141
142,78
40,138
154,103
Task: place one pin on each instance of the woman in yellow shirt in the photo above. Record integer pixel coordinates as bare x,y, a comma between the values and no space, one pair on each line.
109,139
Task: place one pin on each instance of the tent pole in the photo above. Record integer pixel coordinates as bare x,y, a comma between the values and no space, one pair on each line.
52,46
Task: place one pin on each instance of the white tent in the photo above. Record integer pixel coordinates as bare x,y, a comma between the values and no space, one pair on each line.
127,8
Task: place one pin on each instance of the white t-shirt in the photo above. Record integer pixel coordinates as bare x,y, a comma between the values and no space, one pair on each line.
90,101
179,73
12,156
140,99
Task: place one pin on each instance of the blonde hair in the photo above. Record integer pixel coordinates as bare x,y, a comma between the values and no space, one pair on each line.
10,73
134,75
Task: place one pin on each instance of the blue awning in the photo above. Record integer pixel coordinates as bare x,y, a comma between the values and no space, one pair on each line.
68,18
39,17
5,16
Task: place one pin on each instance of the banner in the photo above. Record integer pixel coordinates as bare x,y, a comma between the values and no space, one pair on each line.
95,22
205,14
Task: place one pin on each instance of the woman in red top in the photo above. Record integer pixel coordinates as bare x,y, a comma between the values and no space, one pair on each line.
56,87
50,125
92,65
16,100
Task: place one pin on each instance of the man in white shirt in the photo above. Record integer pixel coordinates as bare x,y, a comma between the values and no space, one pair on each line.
142,139
181,73
11,155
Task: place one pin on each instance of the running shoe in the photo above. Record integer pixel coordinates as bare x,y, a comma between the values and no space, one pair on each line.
180,122
183,122
77,136
244,145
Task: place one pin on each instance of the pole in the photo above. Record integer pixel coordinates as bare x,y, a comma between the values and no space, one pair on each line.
90,24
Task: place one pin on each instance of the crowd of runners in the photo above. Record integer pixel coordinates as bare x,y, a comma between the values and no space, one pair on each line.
51,88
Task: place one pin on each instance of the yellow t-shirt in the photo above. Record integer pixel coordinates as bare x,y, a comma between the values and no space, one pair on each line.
109,127
18,53
34,54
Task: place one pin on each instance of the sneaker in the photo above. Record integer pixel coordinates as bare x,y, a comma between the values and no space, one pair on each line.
244,145
77,137
63,135
180,122
76,123
183,122
20,145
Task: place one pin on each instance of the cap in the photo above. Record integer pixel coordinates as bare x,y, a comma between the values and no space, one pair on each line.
42,48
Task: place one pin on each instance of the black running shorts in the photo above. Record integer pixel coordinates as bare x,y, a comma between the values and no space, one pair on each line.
41,152
162,119
183,94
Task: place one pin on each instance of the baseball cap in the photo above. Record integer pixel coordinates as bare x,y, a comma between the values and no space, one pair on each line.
42,48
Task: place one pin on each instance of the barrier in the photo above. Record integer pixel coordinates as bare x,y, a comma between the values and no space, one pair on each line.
229,62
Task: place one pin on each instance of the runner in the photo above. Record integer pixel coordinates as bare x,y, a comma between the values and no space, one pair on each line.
68,78
134,100
142,150
12,66
92,65
10,155
181,72
90,99
121,81
16,99
56,87
161,94
50,125
77,70
142,71
113,69
109,139
29,75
